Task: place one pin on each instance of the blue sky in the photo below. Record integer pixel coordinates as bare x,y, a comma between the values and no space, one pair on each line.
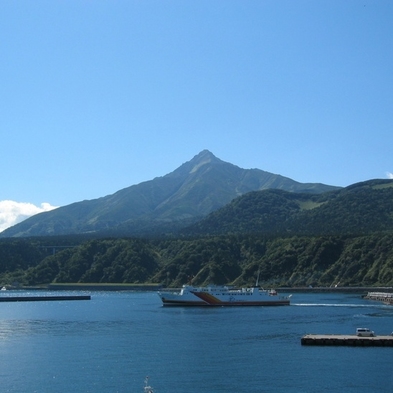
98,95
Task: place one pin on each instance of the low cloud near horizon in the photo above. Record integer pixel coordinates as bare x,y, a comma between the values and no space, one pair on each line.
389,175
12,212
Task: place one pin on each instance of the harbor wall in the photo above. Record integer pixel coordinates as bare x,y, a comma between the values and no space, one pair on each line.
104,287
347,340
384,297
358,290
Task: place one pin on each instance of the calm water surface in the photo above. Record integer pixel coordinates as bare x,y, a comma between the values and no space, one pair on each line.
110,343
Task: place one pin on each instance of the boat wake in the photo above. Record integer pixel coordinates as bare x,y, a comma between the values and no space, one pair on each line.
338,305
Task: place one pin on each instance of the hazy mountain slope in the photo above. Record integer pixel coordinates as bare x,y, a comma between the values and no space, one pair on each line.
195,189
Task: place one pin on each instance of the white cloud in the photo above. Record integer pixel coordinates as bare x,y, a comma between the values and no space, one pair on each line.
12,212
389,175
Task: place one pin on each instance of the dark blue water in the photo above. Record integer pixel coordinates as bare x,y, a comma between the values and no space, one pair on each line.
110,343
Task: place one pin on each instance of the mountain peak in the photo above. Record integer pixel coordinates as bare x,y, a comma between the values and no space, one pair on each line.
205,155
203,158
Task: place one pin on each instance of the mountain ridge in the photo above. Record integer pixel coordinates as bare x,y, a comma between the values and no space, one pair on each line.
193,190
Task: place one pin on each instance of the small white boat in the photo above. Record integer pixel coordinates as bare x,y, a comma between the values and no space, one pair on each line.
147,388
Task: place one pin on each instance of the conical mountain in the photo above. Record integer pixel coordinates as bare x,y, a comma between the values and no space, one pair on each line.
196,188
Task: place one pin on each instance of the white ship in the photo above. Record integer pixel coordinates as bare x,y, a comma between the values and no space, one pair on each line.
223,296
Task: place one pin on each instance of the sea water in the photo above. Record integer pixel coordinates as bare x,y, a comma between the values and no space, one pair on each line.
113,341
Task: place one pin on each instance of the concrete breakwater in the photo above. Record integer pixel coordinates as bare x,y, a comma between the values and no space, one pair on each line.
103,287
41,298
347,340
384,297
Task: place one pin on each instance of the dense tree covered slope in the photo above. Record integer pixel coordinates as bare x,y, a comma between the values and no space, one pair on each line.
290,261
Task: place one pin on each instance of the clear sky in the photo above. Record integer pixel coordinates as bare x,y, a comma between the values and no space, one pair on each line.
98,95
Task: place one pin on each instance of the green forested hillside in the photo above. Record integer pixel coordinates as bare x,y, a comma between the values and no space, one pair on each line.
359,209
291,261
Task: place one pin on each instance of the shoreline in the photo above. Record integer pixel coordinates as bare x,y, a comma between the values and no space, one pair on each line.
156,287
